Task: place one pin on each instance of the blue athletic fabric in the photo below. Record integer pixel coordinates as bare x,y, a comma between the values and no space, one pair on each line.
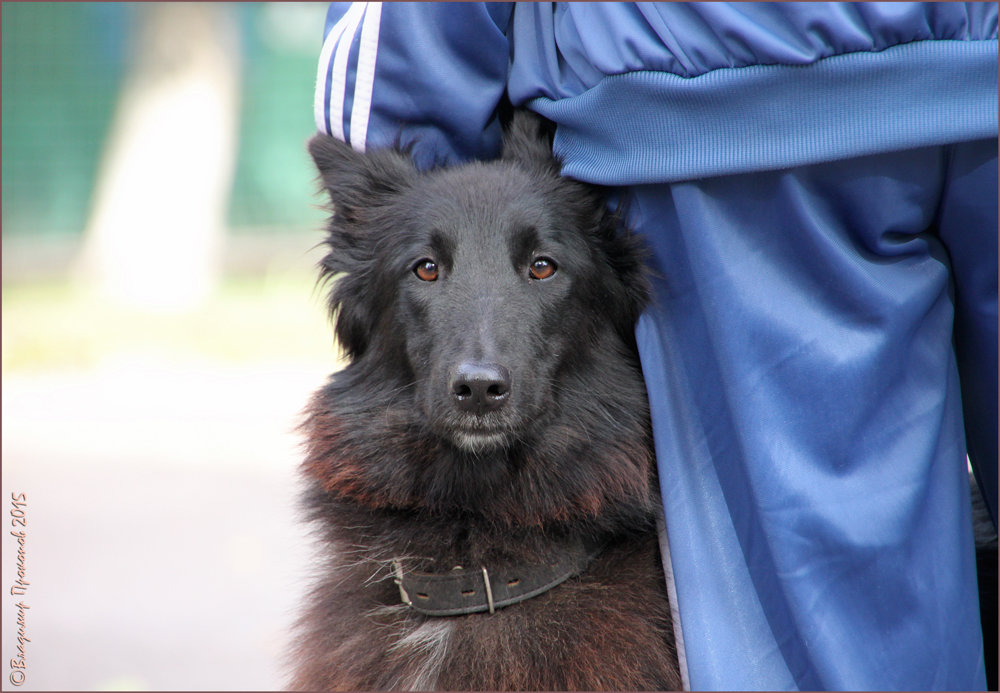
818,186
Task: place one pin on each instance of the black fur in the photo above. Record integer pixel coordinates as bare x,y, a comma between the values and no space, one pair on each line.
398,468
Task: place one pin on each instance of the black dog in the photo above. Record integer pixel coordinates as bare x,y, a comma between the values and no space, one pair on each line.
481,473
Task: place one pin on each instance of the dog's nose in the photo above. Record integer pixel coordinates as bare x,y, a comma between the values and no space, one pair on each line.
478,388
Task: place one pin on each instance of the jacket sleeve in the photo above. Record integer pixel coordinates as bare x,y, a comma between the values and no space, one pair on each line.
430,75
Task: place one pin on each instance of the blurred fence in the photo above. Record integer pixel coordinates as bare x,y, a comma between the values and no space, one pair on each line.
64,65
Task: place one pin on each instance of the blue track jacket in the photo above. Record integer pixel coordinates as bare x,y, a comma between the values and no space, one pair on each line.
818,186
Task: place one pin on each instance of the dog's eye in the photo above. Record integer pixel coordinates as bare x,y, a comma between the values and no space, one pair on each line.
426,270
542,268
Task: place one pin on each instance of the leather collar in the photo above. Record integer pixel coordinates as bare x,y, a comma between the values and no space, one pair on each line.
473,590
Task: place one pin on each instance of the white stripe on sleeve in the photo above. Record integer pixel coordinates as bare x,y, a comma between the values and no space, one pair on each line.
365,79
323,73
338,80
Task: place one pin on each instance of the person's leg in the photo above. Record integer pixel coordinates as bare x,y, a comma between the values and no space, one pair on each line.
968,228
807,416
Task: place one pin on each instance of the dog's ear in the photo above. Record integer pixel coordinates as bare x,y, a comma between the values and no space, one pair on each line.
356,181
626,252
359,185
528,141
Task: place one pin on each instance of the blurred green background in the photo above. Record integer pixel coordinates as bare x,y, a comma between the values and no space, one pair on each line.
161,333
65,67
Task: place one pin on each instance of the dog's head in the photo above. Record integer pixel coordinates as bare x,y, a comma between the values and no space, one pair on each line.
485,296
477,283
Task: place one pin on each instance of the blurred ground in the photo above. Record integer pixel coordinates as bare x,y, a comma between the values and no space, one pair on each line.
158,457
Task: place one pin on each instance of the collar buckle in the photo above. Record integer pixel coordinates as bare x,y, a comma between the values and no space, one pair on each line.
397,569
